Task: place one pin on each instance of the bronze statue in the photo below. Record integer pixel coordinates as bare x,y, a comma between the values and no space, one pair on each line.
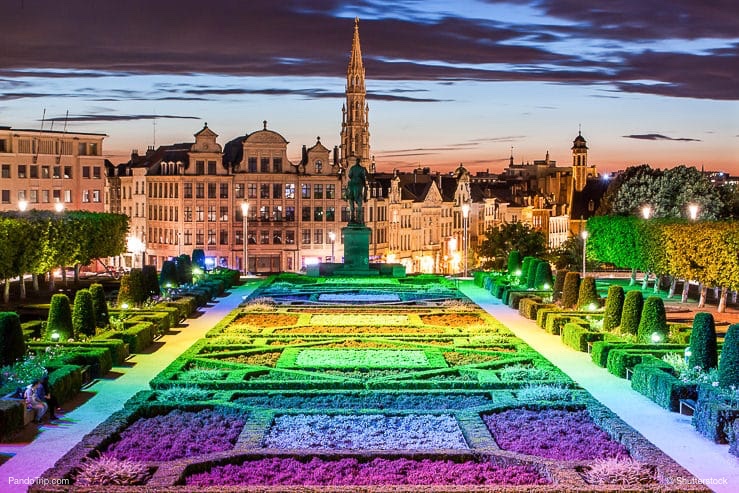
355,192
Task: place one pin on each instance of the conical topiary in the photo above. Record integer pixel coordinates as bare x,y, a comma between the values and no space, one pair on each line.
60,318
614,306
543,276
198,258
653,321
12,345
184,269
99,305
571,289
559,284
151,281
514,262
728,368
703,350
587,295
631,313
168,275
132,291
83,315
531,276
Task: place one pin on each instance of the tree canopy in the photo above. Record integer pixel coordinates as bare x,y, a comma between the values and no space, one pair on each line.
499,242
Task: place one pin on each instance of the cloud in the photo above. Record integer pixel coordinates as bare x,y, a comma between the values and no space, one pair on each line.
658,137
118,118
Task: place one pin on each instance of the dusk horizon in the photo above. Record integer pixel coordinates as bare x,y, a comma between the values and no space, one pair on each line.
472,83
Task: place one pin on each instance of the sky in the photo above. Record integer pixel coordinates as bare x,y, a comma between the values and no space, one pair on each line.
448,82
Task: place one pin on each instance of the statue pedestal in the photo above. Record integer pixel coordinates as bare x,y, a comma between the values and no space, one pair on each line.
356,251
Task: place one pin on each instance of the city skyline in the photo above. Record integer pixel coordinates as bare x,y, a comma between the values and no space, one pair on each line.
446,84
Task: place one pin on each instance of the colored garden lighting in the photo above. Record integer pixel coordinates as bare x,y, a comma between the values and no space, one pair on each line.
592,307
55,336
693,211
656,337
646,211
688,354
59,207
124,306
22,205
545,287
518,273
332,237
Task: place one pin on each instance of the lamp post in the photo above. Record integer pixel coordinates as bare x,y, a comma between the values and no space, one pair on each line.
465,220
245,214
332,237
584,235
693,211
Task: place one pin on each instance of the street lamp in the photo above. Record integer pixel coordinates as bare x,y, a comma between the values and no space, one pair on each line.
646,212
22,205
693,211
332,237
245,214
465,220
584,235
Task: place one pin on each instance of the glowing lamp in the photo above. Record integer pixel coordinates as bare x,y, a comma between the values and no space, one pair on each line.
592,307
55,336
124,306
545,286
656,337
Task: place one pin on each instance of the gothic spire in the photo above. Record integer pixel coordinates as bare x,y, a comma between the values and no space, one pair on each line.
355,112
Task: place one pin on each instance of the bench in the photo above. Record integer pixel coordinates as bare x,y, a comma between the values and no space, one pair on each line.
687,407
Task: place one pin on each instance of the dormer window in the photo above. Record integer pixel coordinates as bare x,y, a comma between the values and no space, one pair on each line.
319,167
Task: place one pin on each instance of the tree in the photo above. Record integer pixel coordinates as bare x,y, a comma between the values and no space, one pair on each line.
614,307
12,345
728,368
653,320
559,283
132,291
184,269
613,239
168,275
514,262
568,255
60,318
631,313
703,350
531,273
150,281
629,191
83,315
198,258
543,276
587,294
570,289
99,305
525,267
499,242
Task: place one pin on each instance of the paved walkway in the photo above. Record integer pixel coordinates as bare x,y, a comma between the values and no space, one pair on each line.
32,459
669,431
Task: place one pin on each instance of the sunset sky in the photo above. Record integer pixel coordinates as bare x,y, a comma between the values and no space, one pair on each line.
448,81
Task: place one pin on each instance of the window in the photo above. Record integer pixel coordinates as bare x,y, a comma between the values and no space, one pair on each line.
264,165
331,191
224,237
224,213
318,214
188,214
305,191
251,239
96,172
67,172
344,213
211,167
252,164
289,190
239,191
67,196
277,213
317,191
252,190
187,190
199,167
290,213
21,195
264,191
277,165
330,213
6,196
57,194
93,149
34,171
238,237
45,172
211,237
200,190
318,236
319,167
85,195
21,171
306,214
264,213
199,213
276,191
82,149
96,196
264,237
224,190
277,237
6,171
211,213
306,237
34,196
187,237
199,237
85,172
211,190
290,237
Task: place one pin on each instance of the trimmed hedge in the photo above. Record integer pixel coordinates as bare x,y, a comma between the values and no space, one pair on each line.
11,416
703,351
33,329
99,305
514,262
83,314
728,369
619,360
531,274
138,337
714,418
185,306
12,345
601,349
555,322
631,313
559,283
529,307
571,289
65,382
577,337
150,281
60,318
544,313
653,379
653,320
587,294
515,298
168,275
543,276
614,307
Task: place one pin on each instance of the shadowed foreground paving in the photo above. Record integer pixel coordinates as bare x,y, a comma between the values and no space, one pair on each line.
671,432
31,460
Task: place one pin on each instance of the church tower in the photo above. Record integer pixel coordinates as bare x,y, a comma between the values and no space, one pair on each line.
355,112
579,162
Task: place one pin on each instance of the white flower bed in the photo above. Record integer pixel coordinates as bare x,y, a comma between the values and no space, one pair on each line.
365,432
361,358
358,319
357,298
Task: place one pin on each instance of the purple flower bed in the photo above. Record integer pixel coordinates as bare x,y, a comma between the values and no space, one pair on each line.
176,435
552,433
347,472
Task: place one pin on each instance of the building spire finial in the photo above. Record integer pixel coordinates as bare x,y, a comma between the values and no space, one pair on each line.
265,124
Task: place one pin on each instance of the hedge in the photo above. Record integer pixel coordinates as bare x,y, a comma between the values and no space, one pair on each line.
654,380
543,276
531,273
577,337
728,370
514,262
599,353
83,314
99,305
32,329
11,416
631,313
570,290
653,320
138,337
587,294
544,313
714,418
168,277
559,283
60,318
530,307
12,345
557,321
703,352
515,298
619,360
614,307
65,382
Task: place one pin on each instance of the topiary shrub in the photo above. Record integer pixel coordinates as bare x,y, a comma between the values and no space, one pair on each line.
184,269
614,307
728,368
531,275
631,313
132,290
653,321
151,281
587,294
12,345
543,276
83,314
198,258
60,318
514,262
99,305
570,289
168,275
559,283
703,351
